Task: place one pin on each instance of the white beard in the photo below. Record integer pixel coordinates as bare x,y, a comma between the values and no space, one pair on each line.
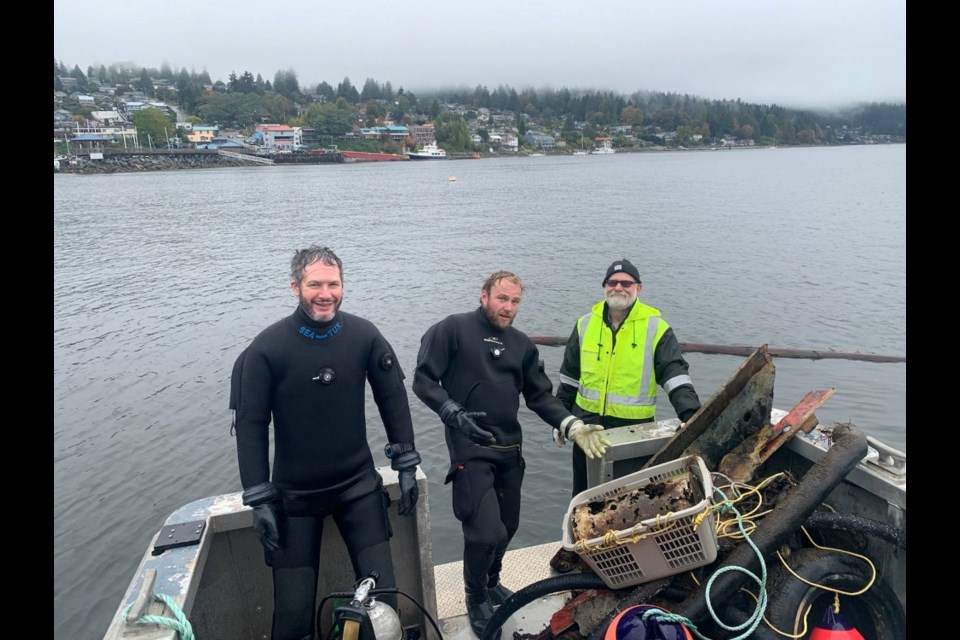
620,300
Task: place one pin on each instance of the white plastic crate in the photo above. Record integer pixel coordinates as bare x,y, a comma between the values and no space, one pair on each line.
667,545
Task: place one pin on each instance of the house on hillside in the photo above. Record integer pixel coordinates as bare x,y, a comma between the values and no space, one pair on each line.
540,140
424,134
107,117
200,134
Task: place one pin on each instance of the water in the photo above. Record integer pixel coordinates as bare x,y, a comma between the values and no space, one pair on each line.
161,279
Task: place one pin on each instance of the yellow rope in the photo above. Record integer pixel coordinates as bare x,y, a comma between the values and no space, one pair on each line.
836,592
806,613
731,527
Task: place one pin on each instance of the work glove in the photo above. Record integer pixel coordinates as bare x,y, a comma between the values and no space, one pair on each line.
588,437
456,417
408,492
404,460
265,500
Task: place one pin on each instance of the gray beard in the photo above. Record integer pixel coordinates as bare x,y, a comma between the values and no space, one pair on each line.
619,302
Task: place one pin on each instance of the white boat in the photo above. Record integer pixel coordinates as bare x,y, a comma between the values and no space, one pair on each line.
428,152
581,152
602,151
205,565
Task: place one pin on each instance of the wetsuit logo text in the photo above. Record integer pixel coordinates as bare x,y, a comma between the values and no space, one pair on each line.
310,333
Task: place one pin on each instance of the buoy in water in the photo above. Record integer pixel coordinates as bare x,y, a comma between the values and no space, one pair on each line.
834,627
630,625
452,178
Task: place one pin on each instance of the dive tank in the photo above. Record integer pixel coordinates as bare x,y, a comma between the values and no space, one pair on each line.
384,620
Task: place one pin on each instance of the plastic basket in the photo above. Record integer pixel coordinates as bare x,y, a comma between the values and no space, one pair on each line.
666,545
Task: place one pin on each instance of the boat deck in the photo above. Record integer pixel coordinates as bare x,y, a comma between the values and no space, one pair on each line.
521,567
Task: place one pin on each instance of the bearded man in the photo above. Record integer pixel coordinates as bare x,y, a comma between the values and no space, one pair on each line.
472,369
616,357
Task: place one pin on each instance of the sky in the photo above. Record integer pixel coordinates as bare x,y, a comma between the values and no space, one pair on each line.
794,53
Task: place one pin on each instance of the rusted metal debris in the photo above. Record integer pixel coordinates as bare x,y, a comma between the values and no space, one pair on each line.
742,462
737,411
746,350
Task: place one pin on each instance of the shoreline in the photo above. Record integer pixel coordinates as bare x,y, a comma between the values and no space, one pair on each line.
125,161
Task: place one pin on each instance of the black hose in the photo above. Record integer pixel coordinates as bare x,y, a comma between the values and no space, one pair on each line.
858,524
557,584
547,586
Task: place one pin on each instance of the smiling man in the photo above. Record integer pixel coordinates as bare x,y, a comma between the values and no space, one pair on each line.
472,369
308,373
616,357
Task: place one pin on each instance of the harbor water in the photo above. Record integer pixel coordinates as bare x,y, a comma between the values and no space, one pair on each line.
162,278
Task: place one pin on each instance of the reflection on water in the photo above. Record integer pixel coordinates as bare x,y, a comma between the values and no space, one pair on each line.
160,279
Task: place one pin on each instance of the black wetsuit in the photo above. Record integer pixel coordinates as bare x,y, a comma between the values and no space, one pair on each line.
484,368
309,377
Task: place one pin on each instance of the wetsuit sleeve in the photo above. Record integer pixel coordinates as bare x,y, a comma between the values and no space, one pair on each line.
251,397
386,381
537,390
570,371
673,374
437,347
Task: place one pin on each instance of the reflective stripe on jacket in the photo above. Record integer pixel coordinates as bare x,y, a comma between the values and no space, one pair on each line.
619,379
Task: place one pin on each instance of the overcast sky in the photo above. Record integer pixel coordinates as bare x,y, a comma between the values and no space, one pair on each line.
799,53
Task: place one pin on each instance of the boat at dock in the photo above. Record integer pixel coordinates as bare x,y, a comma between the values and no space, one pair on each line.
804,495
428,152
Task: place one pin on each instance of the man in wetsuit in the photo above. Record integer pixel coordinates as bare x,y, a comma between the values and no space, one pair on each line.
471,369
308,373
616,357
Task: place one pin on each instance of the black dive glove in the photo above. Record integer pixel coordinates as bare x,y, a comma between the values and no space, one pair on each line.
404,460
456,417
265,500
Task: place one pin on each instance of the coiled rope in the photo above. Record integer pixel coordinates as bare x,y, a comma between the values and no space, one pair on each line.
753,621
181,625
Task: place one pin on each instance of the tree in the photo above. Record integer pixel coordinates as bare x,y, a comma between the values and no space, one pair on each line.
346,90
331,119
144,84
326,92
400,107
286,84
152,125
452,132
371,91
632,116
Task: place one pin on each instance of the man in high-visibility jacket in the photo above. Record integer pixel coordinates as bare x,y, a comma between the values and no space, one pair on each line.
616,357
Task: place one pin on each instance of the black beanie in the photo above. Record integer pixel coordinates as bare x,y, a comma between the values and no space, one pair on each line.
622,266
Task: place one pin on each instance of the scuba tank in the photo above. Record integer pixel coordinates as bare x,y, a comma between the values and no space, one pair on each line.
365,618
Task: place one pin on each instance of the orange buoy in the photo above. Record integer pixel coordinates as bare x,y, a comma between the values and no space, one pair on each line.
834,627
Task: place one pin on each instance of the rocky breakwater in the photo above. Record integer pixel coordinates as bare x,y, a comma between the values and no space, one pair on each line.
128,161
